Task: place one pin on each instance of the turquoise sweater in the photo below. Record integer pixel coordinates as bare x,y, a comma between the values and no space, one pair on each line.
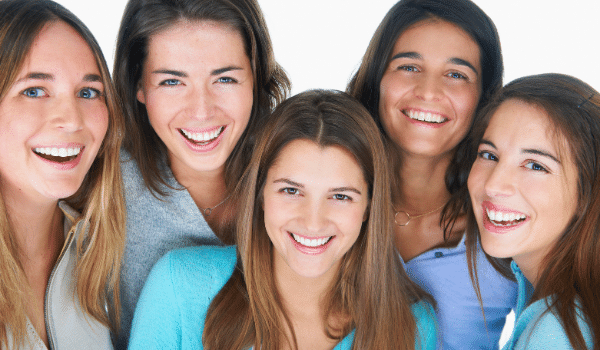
536,327
172,308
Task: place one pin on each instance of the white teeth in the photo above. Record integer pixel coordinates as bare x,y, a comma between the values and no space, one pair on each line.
503,219
58,152
310,242
203,136
425,116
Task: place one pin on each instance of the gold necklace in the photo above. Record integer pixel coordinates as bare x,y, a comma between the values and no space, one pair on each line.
209,210
409,217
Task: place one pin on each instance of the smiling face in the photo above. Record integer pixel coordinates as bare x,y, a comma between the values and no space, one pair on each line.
53,118
523,189
197,85
315,201
431,88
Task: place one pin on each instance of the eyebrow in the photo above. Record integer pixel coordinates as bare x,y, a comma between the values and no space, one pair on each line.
183,74
526,151
335,189
92,78
37,76
453,60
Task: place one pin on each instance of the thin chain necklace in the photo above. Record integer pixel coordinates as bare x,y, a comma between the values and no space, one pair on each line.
209,210
409,217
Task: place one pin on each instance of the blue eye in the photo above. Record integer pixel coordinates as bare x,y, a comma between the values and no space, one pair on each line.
226,80
456,75
34,92
170,82
536,166
487,156
289,190
408,68
89,93
342,197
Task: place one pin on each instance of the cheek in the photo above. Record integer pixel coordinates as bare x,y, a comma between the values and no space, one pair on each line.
465,102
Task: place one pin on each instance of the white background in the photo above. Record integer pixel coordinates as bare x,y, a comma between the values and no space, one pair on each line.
320,42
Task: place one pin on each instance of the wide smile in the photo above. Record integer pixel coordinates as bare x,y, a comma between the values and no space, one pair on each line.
55,154
202,138
500,220
311,245
425,117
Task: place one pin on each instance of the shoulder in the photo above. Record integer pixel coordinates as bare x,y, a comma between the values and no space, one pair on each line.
544,329
197,264
425,320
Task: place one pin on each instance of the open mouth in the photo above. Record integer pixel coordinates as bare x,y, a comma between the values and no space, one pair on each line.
426,117
202,138
58,155
311,243
500,219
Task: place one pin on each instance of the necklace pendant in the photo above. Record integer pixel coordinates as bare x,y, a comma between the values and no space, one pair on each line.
407,218
207,211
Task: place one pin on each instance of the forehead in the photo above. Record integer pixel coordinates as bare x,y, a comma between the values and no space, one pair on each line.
58,48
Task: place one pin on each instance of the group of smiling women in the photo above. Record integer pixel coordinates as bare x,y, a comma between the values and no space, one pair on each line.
186,203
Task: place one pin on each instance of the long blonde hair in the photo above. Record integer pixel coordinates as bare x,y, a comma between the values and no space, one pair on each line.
99,198
371,290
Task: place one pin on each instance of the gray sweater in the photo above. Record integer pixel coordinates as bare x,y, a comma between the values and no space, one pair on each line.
154,227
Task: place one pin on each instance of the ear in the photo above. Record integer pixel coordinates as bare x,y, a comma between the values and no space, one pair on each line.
141,97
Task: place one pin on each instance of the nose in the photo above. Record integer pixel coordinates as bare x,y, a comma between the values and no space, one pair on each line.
200,102
67,114
428,88
500,181
314,216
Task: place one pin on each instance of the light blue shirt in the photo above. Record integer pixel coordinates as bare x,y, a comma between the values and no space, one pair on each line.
443,273
536,327
172,308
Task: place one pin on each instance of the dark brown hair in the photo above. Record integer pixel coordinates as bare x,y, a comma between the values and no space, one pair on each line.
144,18
570,272
366,82
371,289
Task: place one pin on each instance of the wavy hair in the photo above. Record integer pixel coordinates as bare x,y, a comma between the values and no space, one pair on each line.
371,289
144,18
99,198
570,272
366,82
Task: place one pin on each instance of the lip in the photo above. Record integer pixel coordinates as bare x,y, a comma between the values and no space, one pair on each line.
424,123
62,165
203,148
310,250
489,226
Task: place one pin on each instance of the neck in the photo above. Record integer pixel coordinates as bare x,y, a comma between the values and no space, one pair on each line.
422,184
530,267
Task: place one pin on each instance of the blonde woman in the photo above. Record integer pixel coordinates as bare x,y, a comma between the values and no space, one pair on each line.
61,219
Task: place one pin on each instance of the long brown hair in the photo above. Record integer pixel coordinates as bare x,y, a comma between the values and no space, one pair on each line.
371,288
570,272
144,18
366,82
99,198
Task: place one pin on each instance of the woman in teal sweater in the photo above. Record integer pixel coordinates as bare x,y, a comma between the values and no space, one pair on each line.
315,266
535,193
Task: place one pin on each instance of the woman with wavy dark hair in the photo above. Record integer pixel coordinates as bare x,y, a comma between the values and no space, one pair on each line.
315,266
431,65
62,223
198,79
535,192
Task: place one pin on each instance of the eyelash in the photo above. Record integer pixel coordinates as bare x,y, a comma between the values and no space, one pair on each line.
97,93
408,68
27,92
535,164
457,75
226,80
292,191
344,197
170,82
487,155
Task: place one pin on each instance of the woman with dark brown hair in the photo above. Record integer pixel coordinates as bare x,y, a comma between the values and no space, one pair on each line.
198,80
315,266
430,66
535,193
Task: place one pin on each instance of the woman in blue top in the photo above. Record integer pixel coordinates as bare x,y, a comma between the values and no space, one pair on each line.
535,191
315,266
198,79
429,67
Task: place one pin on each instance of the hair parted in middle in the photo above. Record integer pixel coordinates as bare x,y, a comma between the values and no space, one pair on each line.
366,82
371,288
144,18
